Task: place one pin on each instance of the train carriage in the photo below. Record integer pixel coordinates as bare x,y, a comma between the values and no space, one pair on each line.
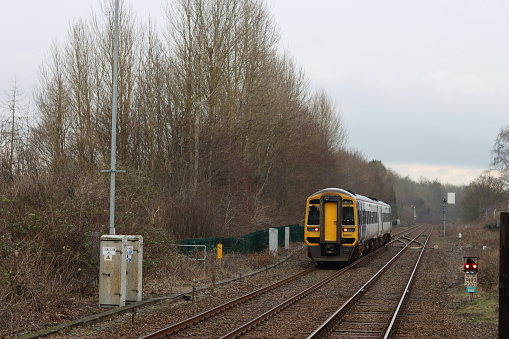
340,226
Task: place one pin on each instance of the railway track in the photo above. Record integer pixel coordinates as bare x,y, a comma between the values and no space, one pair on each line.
265,310
374,309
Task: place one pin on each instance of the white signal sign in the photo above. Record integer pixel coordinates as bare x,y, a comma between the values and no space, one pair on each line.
451,198
471,280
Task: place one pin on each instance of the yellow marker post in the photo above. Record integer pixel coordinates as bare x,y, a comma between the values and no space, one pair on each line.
219,251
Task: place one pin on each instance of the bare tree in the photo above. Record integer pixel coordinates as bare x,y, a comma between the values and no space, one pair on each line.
128,63
151,112
80,79
14,133
52,102
207,52
500,154
330,126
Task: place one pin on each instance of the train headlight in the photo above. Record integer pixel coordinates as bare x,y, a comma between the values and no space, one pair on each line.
348,229
313,229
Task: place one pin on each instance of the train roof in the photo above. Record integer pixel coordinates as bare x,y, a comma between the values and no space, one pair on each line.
351,195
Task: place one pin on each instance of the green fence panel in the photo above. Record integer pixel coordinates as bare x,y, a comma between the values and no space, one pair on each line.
253,242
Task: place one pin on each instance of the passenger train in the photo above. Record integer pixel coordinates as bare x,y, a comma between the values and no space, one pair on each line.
341,226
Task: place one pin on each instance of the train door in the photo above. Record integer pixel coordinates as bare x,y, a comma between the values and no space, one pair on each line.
331,216
379,220
360,221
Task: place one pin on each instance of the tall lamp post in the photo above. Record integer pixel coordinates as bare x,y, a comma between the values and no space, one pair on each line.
113,168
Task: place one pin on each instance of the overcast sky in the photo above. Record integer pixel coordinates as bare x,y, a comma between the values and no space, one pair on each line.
421,85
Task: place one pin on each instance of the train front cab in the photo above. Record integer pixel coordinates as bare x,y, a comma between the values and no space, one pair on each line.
327,239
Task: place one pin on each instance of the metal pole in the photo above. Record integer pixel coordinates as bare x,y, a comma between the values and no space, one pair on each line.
503,294
114,123
444,209
113,169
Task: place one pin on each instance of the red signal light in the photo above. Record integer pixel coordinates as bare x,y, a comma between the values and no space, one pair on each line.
470,266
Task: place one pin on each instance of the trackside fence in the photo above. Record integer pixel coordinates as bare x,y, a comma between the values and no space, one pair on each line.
253,242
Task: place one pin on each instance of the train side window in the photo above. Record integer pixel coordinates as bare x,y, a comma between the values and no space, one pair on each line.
348,216
314,215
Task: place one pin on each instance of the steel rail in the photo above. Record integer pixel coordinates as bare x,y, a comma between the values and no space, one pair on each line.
204,315
406,292
330,323
258,320
253,323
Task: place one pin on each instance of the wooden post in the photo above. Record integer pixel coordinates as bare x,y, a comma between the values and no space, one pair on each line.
503,308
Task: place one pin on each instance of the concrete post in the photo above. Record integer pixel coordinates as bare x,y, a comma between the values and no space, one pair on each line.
273,240
287,238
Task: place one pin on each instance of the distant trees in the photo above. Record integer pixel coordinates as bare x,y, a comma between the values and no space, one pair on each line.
483,192
491,187
500,154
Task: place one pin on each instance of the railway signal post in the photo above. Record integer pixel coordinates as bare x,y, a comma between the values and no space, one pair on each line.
470,267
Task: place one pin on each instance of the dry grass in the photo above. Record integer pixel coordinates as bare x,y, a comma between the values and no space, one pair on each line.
180,273
484,243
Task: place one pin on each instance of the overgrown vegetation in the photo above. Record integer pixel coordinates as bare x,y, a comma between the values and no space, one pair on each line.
218,131
484,243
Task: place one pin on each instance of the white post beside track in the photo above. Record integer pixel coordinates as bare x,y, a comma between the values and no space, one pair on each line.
273,240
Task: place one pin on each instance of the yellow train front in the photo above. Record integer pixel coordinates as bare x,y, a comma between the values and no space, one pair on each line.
341,226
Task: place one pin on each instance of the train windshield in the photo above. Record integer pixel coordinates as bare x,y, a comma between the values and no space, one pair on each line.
314,215
348,218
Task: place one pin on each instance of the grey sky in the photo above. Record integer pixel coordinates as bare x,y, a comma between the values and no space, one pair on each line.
422,85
